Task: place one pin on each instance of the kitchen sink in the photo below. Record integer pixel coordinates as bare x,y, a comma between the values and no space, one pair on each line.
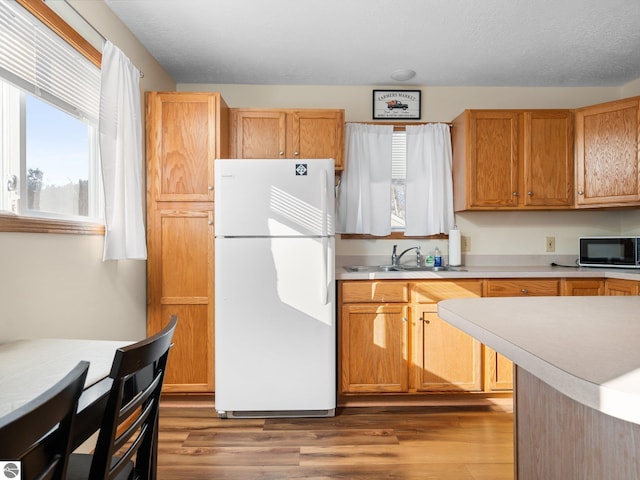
400,268
370,268
424,268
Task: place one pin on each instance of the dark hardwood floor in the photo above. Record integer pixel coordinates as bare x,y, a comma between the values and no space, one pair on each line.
453,443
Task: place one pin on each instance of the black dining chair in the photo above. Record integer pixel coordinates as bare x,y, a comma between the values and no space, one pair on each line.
38,434
127,443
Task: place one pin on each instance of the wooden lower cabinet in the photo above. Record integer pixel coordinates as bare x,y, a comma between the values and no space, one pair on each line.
578,287
402,346
615,286
181,264
374,348
391,339
498,370
444,358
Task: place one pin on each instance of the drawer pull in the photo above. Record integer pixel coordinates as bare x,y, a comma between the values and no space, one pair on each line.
525,291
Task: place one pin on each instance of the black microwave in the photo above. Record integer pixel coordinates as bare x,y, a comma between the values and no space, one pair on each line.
620,252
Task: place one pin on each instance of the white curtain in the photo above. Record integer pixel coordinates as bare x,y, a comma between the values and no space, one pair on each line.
429,185
364,195
120,137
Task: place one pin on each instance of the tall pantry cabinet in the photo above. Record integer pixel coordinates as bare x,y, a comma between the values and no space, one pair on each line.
185,133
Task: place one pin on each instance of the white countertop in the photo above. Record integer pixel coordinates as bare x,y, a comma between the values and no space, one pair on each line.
522,271
587,348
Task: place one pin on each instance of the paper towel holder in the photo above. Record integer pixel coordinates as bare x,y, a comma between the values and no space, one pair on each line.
455,247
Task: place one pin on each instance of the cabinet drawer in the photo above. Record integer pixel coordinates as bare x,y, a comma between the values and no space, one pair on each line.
436,290
519,288
378,291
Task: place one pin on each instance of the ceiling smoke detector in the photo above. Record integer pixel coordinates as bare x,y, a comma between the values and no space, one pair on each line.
403,74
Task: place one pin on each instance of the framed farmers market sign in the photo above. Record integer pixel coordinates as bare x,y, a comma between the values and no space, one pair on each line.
400,104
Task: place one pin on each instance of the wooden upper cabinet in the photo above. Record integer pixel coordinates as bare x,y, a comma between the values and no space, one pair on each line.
548,158
316,134
513,159
182,129
305,134
493,159
607,172
259,134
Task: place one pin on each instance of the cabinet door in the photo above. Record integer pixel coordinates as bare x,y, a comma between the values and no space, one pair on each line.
181,146
374,341
615,286
607,154
259,134
498,371
181,266
493,150
316,134
548,158
445,358
582,287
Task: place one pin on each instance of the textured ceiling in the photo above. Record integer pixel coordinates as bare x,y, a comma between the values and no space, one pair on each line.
360,42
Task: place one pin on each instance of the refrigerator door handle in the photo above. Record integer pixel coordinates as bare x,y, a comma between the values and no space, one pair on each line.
325,231
325,271
323,202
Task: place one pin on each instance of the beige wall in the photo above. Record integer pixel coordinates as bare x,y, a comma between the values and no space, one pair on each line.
492,233
57,285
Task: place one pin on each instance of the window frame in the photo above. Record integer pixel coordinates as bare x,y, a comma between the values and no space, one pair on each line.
394,235
15,223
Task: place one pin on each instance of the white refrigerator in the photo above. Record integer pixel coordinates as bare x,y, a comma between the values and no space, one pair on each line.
275,328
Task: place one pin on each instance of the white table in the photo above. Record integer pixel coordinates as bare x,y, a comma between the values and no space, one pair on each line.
30,367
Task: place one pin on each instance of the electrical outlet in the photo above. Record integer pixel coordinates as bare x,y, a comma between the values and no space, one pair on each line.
551,244
465,243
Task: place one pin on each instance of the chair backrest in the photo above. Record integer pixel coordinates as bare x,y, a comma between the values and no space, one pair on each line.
38,434
129,426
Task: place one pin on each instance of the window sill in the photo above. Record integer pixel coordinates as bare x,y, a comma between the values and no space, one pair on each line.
392,236
13,223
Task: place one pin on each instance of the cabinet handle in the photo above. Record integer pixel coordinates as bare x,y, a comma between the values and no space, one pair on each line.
404,319
210,222
424,319
515,194
525,291
530,193
210,187
295,154
580,192
281,154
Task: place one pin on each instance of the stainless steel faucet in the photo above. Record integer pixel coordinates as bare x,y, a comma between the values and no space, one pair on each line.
395,258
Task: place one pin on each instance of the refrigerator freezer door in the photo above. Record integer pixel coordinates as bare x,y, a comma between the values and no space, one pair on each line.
275,344
282,197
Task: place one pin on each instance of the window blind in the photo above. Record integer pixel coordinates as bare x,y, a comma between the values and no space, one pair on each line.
34,58
399,155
